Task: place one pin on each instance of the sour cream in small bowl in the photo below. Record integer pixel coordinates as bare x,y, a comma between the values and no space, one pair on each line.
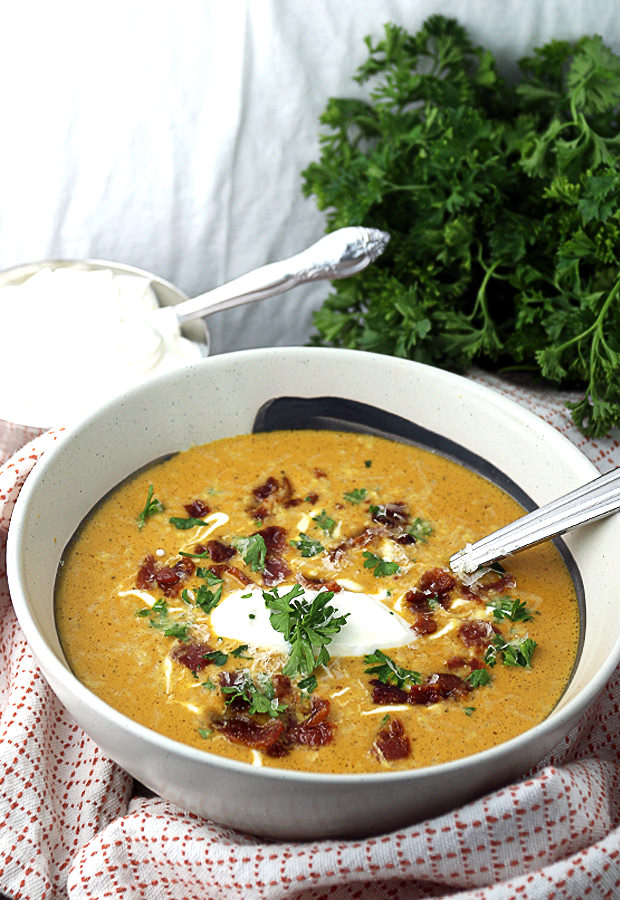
80,332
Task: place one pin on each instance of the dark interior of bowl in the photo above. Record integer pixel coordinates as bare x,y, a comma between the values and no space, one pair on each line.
340,414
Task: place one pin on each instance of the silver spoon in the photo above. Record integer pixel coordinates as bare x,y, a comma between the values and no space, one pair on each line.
594,500
339,254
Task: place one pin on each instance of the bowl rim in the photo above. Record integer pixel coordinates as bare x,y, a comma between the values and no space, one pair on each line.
572,711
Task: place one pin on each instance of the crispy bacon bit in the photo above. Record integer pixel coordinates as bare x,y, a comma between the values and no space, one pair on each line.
456,662
271,494
313,583
275,571
198,509
424,624
441,686
503,583
417,602
394,517
220,552
312,498
315,730
282,686
167,578
436,582
383,693
392,743
266,489
245,730
476,633
274,537
191,655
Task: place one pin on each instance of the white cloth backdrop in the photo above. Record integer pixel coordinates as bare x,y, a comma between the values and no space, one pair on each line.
172,136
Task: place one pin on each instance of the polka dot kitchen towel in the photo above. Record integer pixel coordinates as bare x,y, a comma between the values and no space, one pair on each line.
73,825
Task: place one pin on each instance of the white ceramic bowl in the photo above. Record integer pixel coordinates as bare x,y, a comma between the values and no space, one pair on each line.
219,397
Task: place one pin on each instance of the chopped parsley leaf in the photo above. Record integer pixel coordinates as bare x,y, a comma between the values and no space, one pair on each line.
356,496
420,529
217,657
207,599
478,678
306,546
389,672
513,653
253,550
510,608
380,566
185,523
151,507
205,732
260,694
324,522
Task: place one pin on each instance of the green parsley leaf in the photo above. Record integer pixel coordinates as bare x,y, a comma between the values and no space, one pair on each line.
205,732
478,677
207,599
513,653
356,496
510,608
217,657
381,567
308,685
386,670
324,522
253,550
151,508
260,694
239,652
185,523
306,546
308,626
420,529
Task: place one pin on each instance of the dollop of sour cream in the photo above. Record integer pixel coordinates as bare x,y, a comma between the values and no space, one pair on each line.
243,616
75,337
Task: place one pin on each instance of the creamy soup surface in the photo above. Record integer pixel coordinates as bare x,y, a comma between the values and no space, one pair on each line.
285,599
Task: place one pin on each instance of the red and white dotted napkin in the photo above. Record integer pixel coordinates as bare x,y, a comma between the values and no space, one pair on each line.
73,825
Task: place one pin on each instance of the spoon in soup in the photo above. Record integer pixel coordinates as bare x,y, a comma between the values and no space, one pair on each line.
591,501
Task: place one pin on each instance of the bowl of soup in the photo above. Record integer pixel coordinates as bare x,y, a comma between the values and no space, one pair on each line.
235,577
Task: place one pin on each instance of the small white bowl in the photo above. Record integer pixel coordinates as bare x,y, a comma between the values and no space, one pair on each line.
222,396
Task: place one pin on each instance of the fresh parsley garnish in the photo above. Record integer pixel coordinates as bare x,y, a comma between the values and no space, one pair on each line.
510,608
151,508
512,653
478,678
160,618
307,546
356,496
386,670
260,694
308,626
183,523
253,550
217,657
380,567
420,529
308,684
208,599
324,522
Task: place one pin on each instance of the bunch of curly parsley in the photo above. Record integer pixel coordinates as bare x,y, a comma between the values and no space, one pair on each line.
503,205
